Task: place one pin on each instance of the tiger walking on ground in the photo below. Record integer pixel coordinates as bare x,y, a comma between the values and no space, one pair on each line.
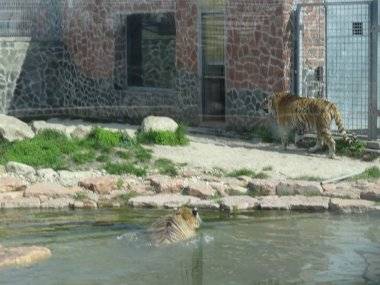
299,113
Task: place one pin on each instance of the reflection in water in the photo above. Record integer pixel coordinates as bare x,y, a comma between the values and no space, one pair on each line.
197,263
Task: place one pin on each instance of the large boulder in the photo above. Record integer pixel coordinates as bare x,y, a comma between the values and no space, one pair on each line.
21,256
20,202
200,189
9,184
50,190
236,203
166,184
306,188
71,178
101,185
155,123
20,169
163,201
297,202
262,187
351,205
12,129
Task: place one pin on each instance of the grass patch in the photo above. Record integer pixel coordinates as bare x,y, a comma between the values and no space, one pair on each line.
268,168
125,197
125,168
103,158
104,139
166,167
83,157
123,154
372,173
354,149
164,137
52,149
120,184
47,149
247,172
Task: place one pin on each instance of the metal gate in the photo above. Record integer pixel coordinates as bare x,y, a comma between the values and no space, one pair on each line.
337,59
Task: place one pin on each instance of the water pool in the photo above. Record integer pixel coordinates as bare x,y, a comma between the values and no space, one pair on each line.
109,247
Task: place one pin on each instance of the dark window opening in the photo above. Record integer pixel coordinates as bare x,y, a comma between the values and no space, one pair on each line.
357,28
151,50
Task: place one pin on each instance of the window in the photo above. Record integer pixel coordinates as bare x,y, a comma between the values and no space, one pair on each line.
357,28
151,50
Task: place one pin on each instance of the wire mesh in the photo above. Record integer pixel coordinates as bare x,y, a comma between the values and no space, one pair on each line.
335,42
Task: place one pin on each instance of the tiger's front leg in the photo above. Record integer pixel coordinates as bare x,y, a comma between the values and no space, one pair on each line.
284,138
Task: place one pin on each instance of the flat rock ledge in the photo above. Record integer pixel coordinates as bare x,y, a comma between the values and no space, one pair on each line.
22,256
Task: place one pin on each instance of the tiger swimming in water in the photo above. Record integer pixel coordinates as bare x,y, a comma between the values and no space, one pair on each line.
181,225
300,113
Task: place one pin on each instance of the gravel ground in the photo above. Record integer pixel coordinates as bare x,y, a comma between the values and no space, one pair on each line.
208,152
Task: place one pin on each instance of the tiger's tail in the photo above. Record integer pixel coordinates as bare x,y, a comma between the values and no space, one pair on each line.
335,114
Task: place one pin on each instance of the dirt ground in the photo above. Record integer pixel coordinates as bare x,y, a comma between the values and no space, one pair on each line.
209,152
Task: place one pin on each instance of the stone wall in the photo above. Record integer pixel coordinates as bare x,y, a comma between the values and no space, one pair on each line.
74,70
259,45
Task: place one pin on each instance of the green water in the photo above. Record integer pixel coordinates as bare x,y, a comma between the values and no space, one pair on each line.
110,247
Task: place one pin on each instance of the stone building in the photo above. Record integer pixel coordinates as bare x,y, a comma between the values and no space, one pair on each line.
194,60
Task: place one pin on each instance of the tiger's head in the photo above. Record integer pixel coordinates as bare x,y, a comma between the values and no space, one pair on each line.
189,216
270,103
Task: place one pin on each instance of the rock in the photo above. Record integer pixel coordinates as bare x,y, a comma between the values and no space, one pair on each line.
200,189
7,196
220,188
162,201
351,206
155,123
71,178
101,185
341,190
58,203
9,184
81,132
108,204
205,204
12,129
39,126
262,187
241,181
166,184
85,204
50,190
20,203
20,169
47,175
372,194
2,170
306,188
237,190
297,202
235,203
21,256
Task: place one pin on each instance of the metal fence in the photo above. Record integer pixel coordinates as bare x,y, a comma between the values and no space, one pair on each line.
337,59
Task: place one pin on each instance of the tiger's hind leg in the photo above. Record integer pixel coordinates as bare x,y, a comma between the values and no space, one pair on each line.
328,139
318,145
284,138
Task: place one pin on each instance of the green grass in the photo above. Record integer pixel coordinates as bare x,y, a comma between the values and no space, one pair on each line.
268,168
123,154
120,184
103,158
166,167
241,172
125,168
354,149
52,149
105,139
48,149
84,156
372,173
164,137
247,172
